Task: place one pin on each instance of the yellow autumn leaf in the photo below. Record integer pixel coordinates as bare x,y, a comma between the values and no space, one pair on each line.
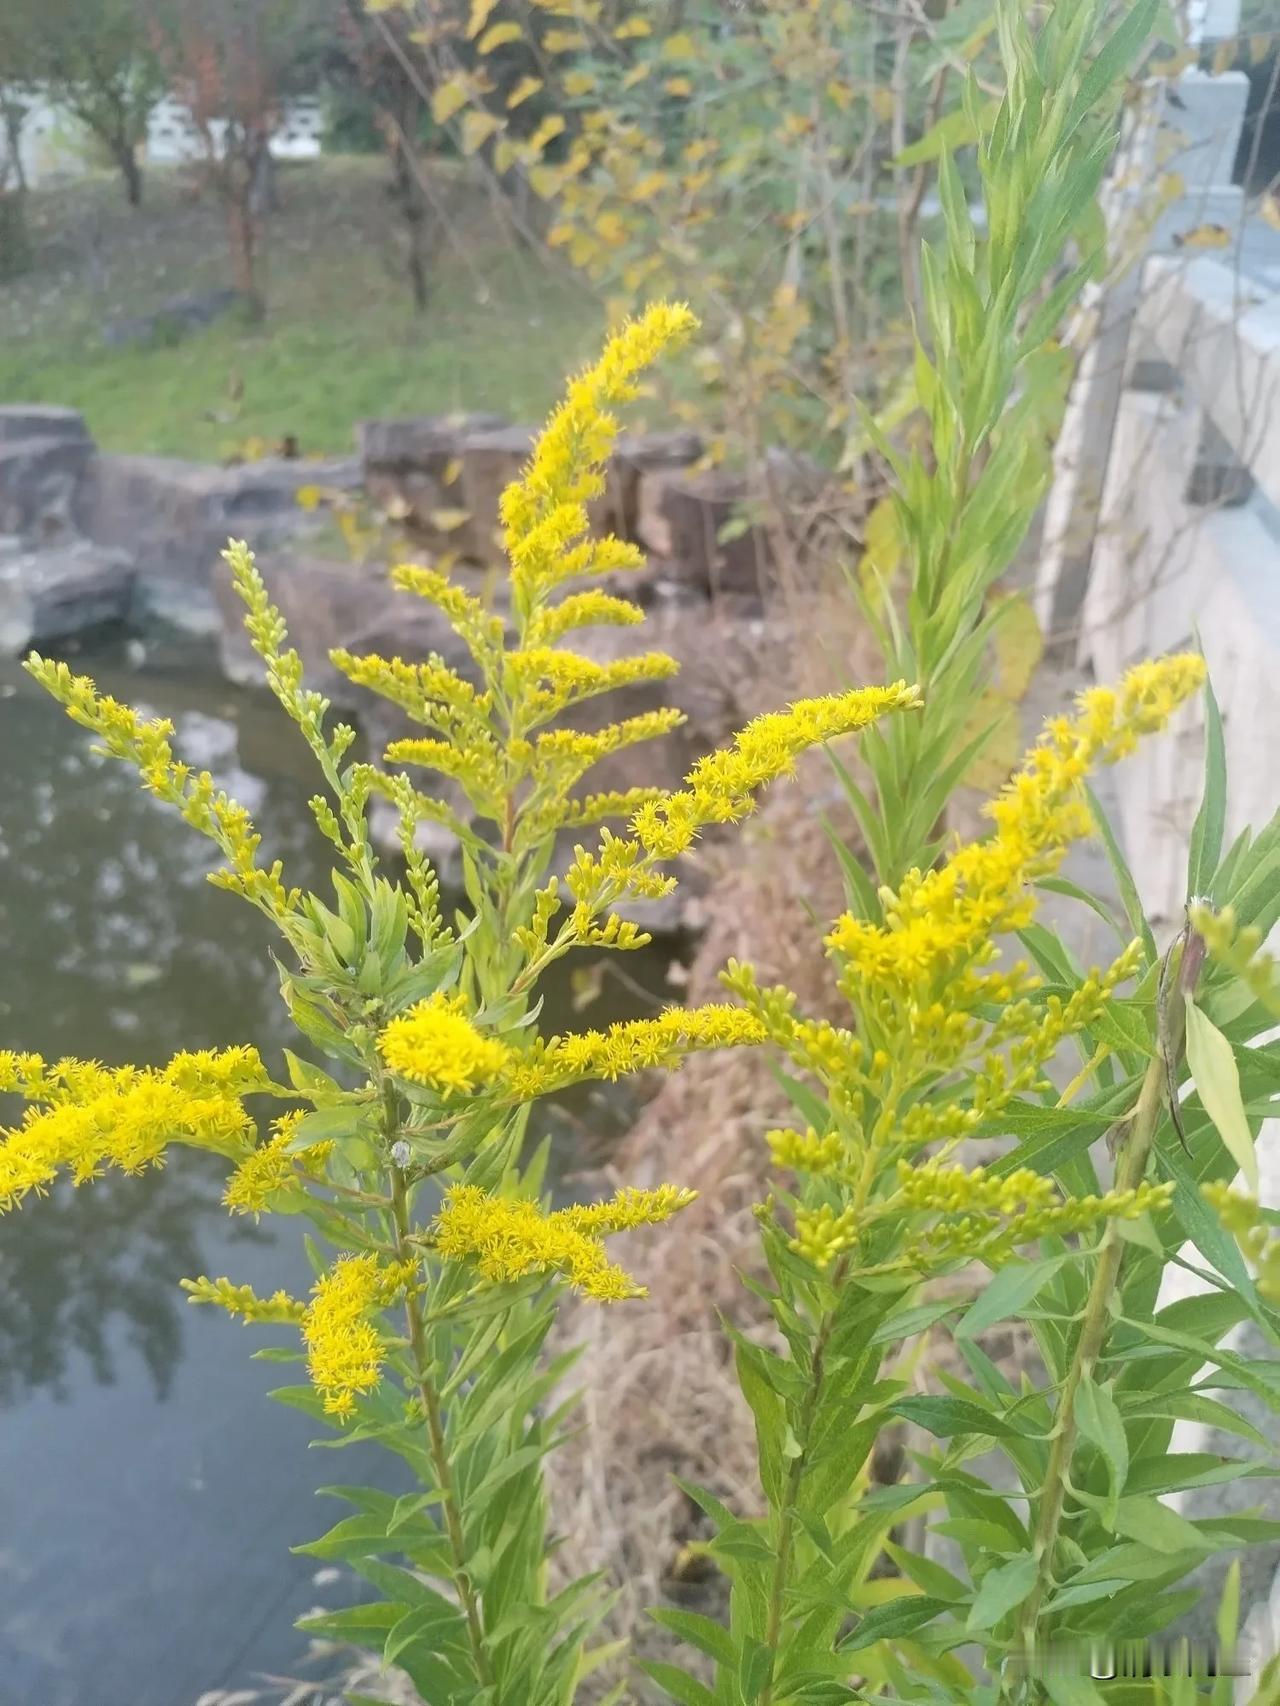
637,74
1213,1069
1259,48
449,98
998,759
559,235
449,520
477,127
452,468
882,104
681,87
579,83
680,46
544,181
1209,236
563,41
524,88
649,185
481,11
1270,211
1172,187
505,154
632,28
881,544
1019,645
308,497
498,35
1225,57
547,131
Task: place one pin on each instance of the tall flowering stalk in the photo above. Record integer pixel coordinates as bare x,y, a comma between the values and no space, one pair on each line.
963,1012
425,1327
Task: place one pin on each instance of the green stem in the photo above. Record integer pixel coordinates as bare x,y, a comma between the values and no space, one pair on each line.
1131,1167
438,1444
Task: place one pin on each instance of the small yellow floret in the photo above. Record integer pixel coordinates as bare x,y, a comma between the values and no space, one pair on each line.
435,1044
344,1348
509,1238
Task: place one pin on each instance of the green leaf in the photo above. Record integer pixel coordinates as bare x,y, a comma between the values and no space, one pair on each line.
946,1417
899,1617
1144,1518
769,1411
954,130
1000,1590
1211,819
1011,1289
1133,907
677,1683
701,1632
1098,1418
1213,1067
1125,1026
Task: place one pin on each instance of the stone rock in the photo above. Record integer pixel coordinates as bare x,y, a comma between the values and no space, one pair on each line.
48,594
328,604
40,420
680,515
635,454
404,464
490,461
173,320
43,482
175,518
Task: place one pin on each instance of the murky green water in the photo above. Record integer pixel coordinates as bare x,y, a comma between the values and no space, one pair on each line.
148,1491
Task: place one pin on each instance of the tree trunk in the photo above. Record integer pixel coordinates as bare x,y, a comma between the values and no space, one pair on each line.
242,235
127,159
409,195
14,113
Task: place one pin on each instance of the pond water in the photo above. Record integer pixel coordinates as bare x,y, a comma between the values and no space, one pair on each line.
149,1492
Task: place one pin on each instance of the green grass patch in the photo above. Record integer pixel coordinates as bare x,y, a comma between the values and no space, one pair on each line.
340,343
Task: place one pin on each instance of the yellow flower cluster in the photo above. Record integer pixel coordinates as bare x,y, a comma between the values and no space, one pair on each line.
544,513
544,681
243,1301
998,1214
941,922
1241,1215
722,787
88,1116
806,1152
824,1233
509,1239
591,609
145,744
271,1168
436,1045
430,692
632,1045
1240,950
470,619
344,1347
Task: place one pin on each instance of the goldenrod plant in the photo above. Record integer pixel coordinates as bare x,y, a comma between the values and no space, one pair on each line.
425,1326
439,1262
961,1000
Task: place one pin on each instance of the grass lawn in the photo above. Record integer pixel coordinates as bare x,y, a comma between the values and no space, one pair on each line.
341,341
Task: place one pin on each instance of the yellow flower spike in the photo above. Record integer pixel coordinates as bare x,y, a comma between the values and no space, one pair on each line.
633,1045
544,513
344,1347
509,1239
86,1117
243,1301
721,787
939,925
271,1168
821,1234
1241,1216
436,1045
806,1152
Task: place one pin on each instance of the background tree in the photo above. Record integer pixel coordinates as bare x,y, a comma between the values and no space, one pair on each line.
232,63
94,59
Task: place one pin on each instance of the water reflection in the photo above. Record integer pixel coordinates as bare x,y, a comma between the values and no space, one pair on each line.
148,1492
